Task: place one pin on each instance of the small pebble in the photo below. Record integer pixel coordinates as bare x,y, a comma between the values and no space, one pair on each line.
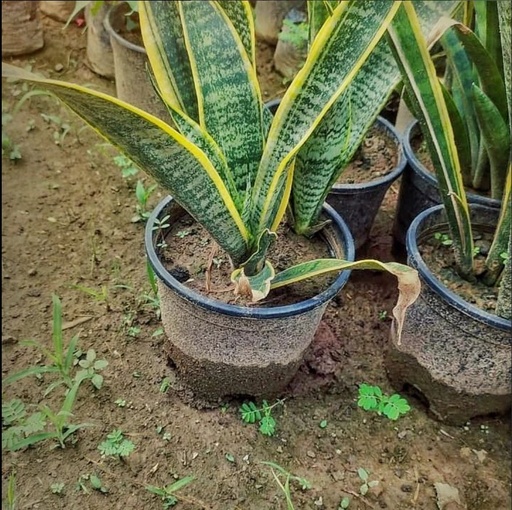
311,454
59,67
32,272
406,487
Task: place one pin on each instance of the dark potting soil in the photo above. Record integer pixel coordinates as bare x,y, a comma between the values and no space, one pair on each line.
190,247
376,157
421,151
441,262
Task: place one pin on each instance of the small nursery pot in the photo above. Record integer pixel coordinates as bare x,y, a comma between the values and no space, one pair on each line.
452,352
419,189
132,82
221,349
358,204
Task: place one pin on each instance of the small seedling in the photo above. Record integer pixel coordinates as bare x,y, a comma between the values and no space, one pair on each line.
160,226
367,484
116,445
57,488
383,315
62,128
323,424
165,385
344,503
167,493
120,402
11,498
127,166
278,471
28,431
443,239
100,296
62,358
252,414
371,398
90,366
182,233
96,484
142,194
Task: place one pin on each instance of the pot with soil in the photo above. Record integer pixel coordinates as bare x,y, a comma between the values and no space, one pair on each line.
359,191
419,189
100,57
133,84
454,349
223,348
22,32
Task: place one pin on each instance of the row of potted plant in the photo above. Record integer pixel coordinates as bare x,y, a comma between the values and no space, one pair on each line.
242,173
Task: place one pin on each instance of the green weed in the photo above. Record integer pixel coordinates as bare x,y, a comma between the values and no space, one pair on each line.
116,445
263,415
371,398
167,493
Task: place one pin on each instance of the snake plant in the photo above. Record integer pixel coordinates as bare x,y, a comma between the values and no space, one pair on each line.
443,130
226,160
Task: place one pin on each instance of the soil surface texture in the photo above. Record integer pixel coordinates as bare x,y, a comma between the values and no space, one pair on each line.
68,228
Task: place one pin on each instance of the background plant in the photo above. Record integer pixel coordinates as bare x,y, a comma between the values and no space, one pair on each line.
116,445
442,128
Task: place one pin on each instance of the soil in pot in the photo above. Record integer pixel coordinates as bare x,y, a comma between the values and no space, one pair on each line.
193,247
453,351
358,194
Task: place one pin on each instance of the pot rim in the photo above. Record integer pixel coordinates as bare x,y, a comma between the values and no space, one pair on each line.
434,284
379,181
421,170
247,311
112,33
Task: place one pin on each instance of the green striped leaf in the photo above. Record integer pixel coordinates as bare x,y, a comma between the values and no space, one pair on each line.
342,45
420,77
408,280
494,262
162,34
489,75
240,14
463,75
328,150
496,138
174,162
230,105
486,24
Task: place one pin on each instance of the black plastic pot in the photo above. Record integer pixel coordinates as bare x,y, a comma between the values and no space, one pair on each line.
455,354
221,349
419,189
130,60
358,204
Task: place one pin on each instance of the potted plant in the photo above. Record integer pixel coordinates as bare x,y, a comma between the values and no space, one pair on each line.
455,346
474,59
230,167
357,153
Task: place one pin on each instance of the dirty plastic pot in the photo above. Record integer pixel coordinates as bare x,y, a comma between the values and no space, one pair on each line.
221,349
419,189
358,204
132,81
452,352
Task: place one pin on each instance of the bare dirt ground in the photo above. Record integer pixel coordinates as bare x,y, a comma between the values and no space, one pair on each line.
67,222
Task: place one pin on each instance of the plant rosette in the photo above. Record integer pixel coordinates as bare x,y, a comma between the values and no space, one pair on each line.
221,349
419,189
455,354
